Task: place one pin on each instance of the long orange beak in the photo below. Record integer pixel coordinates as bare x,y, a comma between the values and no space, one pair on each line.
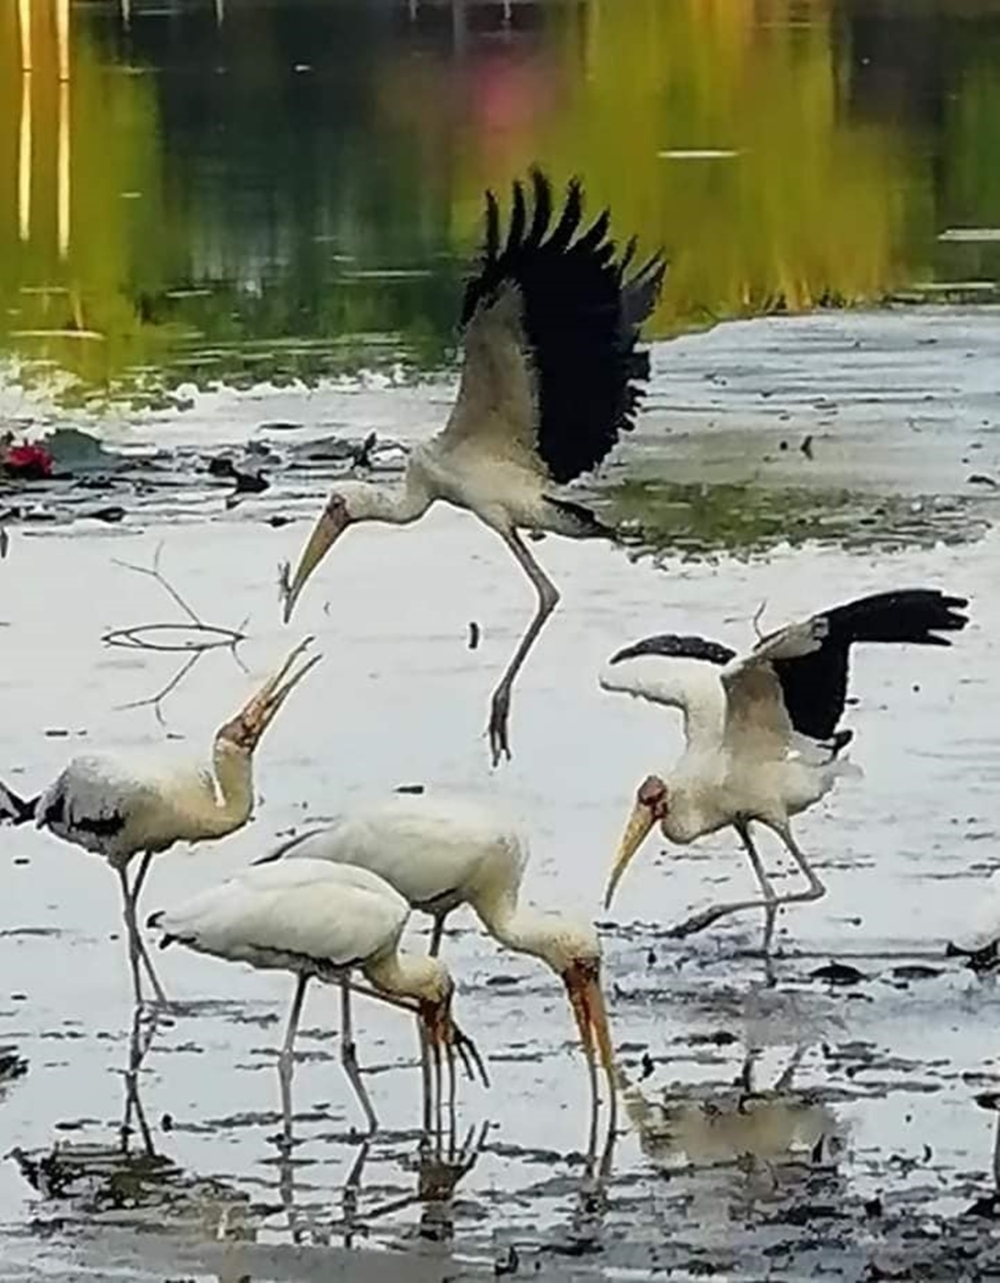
583,985
325,534
442,1032
640,822
257,714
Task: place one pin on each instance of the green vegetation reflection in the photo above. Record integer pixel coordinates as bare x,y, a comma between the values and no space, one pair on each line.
203,204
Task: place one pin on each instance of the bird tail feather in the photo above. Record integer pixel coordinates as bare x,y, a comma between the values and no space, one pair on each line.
584,522
15,809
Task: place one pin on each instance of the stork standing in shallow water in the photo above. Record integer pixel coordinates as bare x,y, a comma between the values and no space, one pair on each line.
112,806
442,852
550,377
318,919
761,730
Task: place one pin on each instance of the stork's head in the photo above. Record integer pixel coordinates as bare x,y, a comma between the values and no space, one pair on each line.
434,989
243,732
651,801
574,951
349,502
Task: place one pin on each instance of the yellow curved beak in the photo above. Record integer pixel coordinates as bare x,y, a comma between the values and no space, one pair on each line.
325,534
640,822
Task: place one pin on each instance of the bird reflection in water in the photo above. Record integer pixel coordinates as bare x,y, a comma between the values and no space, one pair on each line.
757,1129
441,1162
127,1175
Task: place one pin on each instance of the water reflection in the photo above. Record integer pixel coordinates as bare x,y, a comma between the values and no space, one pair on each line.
205,195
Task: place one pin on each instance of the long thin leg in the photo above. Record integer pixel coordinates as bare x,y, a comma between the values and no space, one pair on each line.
132,934
816,889
436,933
764,882
348,1055
144,957
286,1061
548,599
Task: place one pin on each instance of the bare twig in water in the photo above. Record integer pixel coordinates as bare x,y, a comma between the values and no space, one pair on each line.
192,639
154,701
155,573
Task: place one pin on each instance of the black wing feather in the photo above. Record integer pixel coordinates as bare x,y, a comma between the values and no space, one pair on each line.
581,319
677,647
815,686
543,210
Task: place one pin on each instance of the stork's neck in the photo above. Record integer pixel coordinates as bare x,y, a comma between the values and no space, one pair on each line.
408,976
229,804
522,930
398,505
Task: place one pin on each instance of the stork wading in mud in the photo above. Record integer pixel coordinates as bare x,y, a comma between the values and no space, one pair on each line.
323,920
443,852
117,807
761,730
550,378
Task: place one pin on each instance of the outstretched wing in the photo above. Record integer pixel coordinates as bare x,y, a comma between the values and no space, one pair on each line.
757,720
796,678
678,672
550,326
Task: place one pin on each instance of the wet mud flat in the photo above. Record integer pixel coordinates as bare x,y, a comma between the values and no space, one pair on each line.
871,1159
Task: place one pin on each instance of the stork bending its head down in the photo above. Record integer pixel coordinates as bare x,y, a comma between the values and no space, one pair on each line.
322,920
441,852
116,807
761,730
550,378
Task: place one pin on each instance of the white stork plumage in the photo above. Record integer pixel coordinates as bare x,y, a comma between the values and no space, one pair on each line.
550,378
761,730
117,806
441,852
322,920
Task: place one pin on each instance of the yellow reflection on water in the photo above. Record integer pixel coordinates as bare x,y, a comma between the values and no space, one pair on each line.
719,130
719,137
79,160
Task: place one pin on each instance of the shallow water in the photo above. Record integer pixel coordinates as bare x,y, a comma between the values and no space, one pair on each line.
896,1058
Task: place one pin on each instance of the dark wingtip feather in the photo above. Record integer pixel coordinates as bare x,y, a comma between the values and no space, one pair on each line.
674,646
518,219
491,248
153,921
571,215
543,208
595,234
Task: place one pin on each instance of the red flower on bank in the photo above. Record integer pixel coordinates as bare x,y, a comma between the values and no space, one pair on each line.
30,461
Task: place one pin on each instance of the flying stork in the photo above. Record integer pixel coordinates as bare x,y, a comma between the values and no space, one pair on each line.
550,378
440,852
115,806
317,919
761,730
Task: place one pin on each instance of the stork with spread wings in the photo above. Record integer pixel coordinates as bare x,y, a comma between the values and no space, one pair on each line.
761,730
551,377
